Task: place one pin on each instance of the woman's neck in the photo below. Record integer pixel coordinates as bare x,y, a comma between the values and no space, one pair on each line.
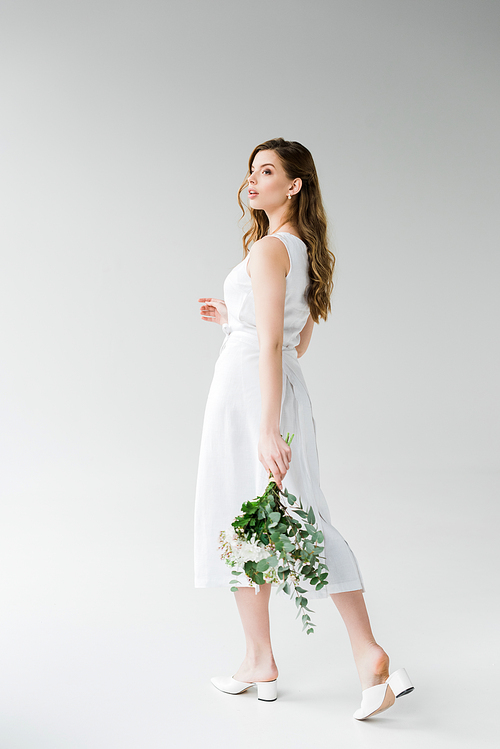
277,220
286,227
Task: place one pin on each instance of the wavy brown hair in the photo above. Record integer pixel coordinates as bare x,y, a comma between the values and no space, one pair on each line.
305,212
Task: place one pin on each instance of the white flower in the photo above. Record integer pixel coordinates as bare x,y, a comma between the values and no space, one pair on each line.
238,550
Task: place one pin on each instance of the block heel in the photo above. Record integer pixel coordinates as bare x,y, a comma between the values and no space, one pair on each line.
400,683
267,691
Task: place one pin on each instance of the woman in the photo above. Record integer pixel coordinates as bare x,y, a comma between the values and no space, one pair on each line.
271,301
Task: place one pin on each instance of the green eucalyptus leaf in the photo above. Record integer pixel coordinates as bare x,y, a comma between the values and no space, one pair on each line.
301,513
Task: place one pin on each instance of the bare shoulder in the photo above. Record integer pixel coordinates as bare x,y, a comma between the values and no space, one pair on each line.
269,252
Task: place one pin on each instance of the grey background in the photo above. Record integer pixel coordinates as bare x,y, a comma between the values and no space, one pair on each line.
125,133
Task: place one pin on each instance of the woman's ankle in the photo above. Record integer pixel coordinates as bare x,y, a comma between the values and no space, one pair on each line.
372,663
257,667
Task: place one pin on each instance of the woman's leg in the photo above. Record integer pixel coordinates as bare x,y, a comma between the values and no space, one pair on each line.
259,662
371,660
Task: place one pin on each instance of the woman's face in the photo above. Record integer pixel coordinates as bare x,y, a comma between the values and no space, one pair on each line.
268,185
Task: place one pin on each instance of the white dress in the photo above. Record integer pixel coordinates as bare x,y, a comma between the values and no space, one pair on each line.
229,471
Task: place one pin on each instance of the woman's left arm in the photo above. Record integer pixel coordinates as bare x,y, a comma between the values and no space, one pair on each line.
268,267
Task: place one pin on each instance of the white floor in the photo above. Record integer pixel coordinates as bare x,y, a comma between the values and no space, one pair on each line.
106,644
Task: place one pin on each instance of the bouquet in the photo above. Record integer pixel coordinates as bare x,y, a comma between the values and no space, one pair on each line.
269,545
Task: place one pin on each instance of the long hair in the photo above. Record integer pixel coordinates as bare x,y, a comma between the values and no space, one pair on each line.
305,211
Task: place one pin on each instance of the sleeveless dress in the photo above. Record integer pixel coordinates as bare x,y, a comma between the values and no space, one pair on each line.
229,471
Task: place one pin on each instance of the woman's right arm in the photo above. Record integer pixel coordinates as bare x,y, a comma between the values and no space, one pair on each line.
305,337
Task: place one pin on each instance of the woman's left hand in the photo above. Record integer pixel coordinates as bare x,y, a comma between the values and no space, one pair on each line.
275,455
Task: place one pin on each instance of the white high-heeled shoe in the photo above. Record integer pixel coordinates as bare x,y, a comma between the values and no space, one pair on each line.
267,691
382,696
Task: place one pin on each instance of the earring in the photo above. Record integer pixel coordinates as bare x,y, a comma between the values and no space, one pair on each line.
289,196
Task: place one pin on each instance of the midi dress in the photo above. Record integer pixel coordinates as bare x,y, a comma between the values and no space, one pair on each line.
229,470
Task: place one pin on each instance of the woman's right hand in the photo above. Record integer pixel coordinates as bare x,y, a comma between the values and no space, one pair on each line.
275,455
213,310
